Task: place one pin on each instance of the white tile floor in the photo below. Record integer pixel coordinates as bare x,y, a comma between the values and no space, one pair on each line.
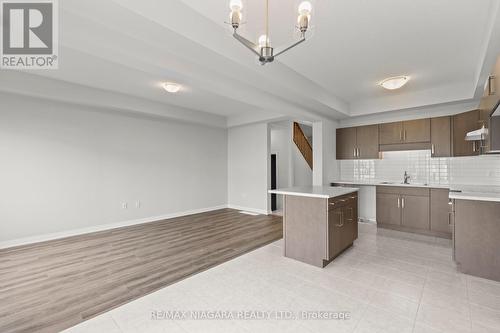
388,282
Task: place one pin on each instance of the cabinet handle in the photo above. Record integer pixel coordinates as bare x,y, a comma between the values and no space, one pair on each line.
399,205
352,214
332,203
404,136
490,81
341,220
357,152
403,203
474,146
354,152
432,149
449,218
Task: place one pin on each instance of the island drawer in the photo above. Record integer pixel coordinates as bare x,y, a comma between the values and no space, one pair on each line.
341,201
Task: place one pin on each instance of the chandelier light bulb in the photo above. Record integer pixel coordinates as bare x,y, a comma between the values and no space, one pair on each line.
235,19
236,5
263,41
305,8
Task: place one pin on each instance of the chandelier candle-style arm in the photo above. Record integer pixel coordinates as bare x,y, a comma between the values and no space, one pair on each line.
250,45
303,39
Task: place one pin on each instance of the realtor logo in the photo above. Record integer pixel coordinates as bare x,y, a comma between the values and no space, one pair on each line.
29,34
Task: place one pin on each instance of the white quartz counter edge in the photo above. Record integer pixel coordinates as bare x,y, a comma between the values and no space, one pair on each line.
325,192
380,183
478,196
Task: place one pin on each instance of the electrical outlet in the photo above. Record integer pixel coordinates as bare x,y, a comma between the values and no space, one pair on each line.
124,205
138,204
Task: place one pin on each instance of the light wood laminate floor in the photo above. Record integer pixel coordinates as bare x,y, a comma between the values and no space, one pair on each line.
50,286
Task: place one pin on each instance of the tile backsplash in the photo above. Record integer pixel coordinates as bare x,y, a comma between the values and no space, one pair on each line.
477,170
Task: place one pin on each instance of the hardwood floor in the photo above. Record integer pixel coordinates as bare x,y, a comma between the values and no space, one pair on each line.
50,286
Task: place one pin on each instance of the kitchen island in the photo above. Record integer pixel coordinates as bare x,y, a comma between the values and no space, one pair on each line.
319,222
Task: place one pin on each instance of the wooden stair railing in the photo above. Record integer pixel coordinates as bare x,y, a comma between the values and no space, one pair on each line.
303,144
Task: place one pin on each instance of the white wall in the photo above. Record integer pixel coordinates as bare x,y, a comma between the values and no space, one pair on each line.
281,140
326,167
302,173
64,167
248,167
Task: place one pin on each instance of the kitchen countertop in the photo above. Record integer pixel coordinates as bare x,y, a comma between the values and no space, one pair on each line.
382,183
315,191
474,192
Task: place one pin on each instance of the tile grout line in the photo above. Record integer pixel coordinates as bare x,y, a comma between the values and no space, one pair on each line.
468,301
420,301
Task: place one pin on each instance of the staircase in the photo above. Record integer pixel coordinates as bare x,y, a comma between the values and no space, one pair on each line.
303,144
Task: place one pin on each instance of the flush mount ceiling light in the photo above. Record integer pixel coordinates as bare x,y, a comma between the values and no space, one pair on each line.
394,83
171,87
263,48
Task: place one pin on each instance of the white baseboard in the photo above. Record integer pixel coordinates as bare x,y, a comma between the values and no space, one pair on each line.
367,220
248,209
102,227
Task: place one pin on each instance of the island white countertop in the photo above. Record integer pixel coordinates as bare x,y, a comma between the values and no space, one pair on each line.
390,183
315,191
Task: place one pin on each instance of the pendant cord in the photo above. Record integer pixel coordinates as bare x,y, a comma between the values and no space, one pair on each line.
267,23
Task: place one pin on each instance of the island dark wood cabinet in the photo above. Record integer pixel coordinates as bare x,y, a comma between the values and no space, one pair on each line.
319,222
342,224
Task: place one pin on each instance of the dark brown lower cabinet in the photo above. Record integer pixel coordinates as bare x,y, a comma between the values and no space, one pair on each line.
335,231
415,211
440,211
342,224
419,210
388,208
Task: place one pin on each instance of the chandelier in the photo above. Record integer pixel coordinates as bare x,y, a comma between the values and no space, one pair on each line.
263,49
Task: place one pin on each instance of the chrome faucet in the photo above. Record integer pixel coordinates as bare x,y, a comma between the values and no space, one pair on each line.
406,177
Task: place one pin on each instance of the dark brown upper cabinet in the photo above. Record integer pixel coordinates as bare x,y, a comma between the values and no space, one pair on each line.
415,131
462,124
358,143
367,142
346,143
441,137
412,131
391,133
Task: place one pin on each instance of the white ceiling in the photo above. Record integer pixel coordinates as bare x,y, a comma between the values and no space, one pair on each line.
128,47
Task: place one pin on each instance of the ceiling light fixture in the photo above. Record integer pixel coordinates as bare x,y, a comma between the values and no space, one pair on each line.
263,48
171,87
394,83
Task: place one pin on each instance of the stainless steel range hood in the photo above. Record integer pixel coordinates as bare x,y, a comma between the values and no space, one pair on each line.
489,134
477,135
